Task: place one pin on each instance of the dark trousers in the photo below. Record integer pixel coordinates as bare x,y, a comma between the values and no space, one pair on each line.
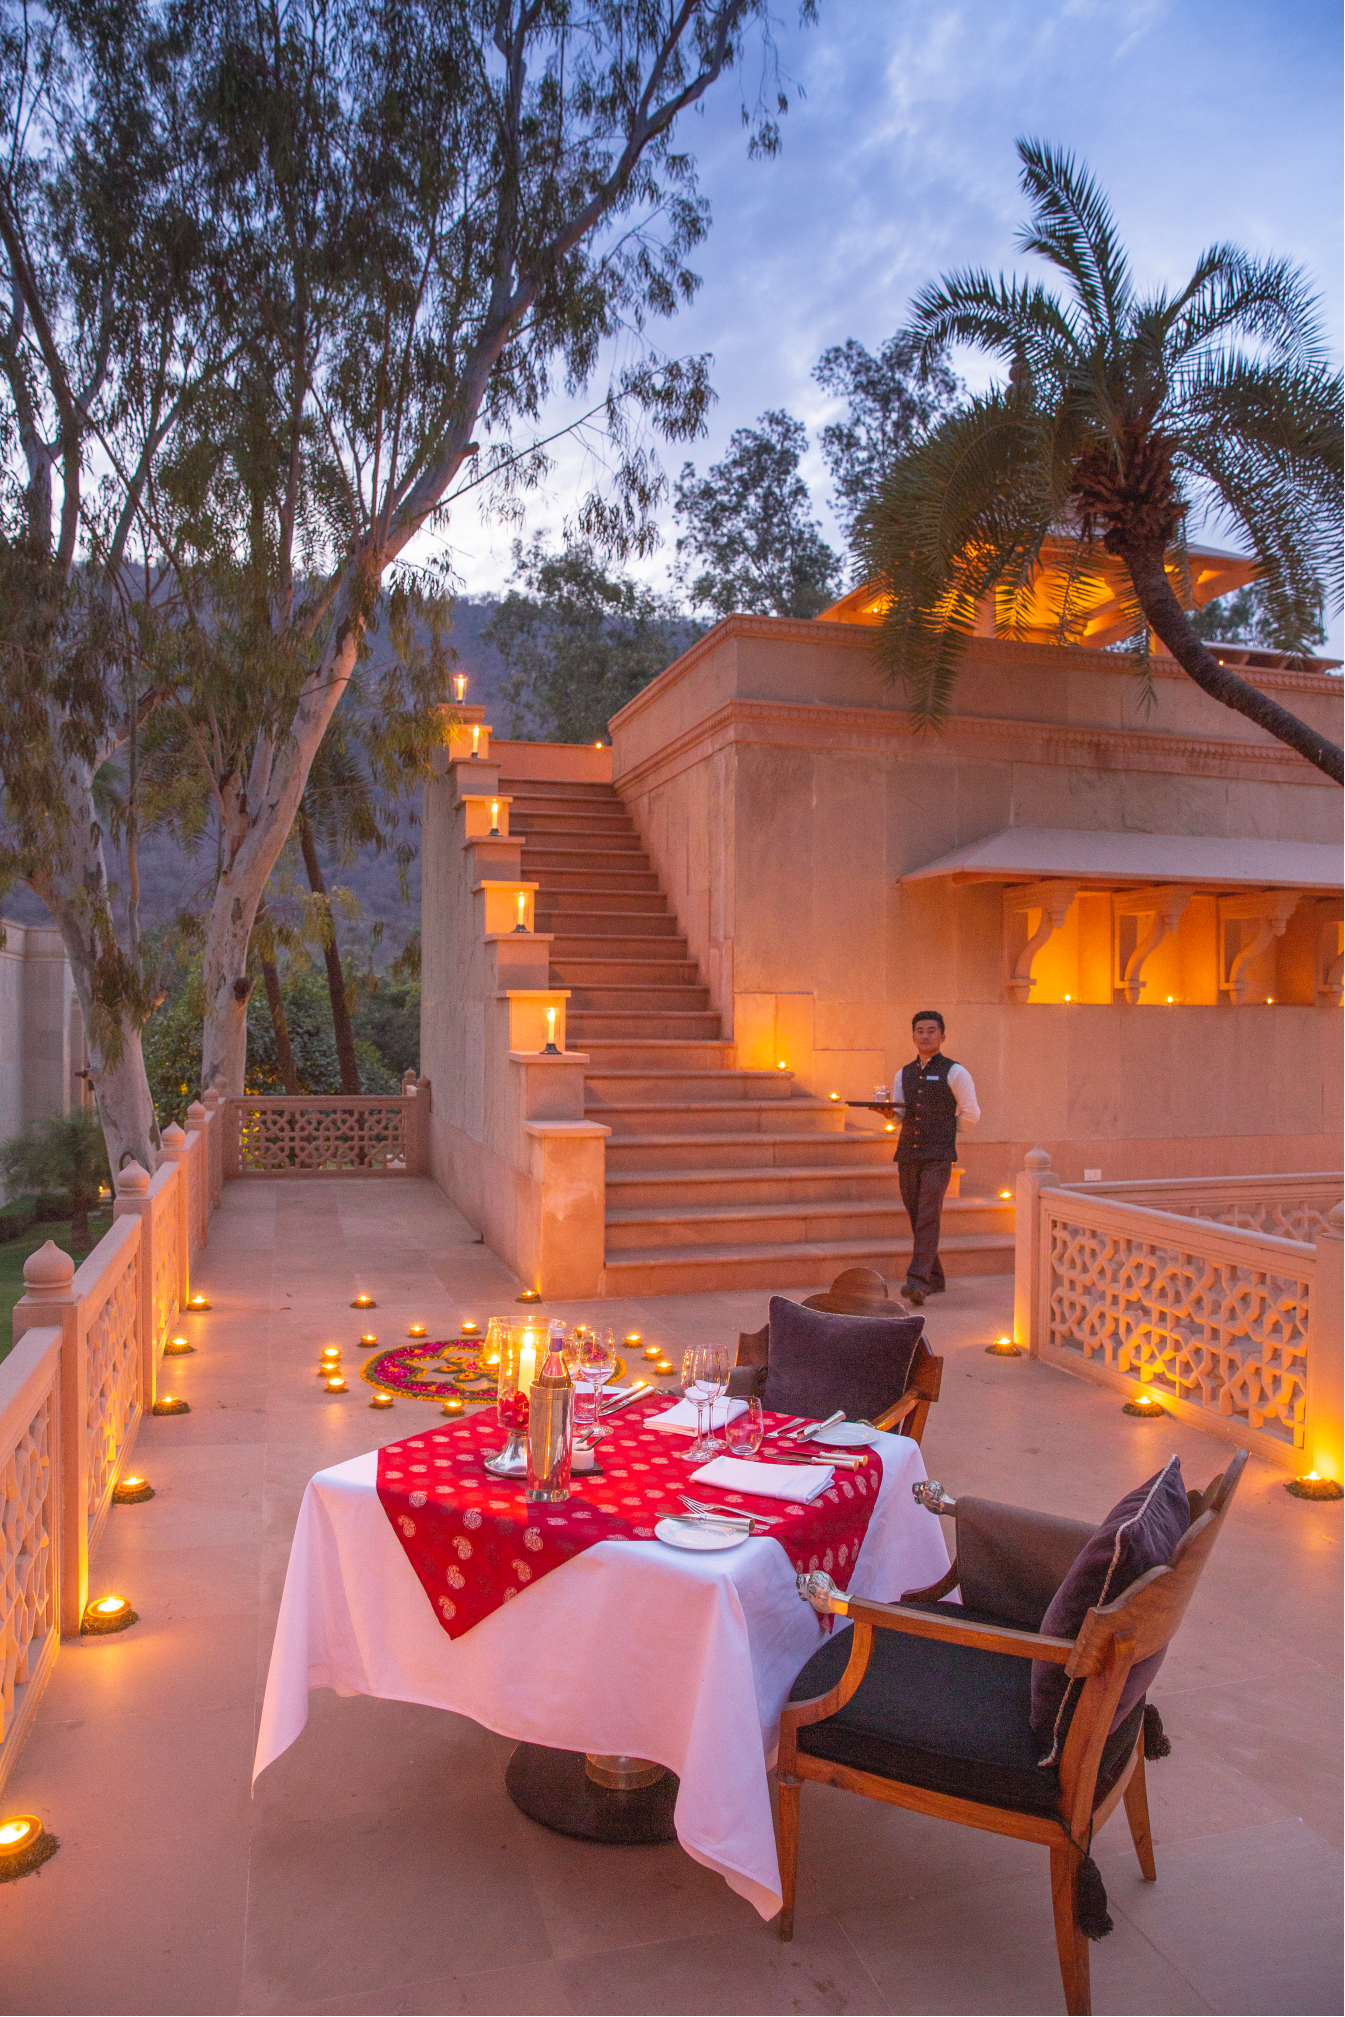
922,1189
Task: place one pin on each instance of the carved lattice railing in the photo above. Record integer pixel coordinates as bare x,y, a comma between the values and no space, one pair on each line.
109,1326
1293,1207
1215,1320
29,1533
329,1137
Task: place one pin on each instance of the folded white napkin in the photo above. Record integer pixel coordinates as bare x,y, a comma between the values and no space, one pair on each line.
682,1419
799,1482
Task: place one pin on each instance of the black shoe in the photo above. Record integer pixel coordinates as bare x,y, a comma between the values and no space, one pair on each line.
937,1289
910,1295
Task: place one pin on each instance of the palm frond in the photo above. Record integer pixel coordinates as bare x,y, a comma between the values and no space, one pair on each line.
1073,227
1012,320
1270,300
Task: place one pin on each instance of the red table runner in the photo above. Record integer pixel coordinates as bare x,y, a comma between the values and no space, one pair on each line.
475,1542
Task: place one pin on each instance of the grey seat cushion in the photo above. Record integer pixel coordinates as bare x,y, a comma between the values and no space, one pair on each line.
951,1719
819,1361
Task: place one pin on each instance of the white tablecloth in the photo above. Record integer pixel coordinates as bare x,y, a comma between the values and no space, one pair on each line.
629,1647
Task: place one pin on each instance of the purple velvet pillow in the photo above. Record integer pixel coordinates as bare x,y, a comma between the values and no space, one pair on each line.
1138,1534
819,1361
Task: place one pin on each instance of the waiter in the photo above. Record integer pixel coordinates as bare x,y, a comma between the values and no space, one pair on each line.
935,1097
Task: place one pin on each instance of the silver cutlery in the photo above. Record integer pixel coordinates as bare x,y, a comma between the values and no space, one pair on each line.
728,1512
806,1435
717,1526
637,1393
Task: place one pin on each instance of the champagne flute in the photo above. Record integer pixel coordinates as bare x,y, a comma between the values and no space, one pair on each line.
705,1372
597,1363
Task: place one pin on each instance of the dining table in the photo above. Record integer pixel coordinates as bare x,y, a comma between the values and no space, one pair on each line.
630,1649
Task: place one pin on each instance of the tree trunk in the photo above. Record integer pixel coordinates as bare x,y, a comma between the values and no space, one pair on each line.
289,1075
1169,621
75,892
79,1219
336,980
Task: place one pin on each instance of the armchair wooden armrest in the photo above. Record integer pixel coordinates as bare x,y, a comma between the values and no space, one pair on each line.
939,1625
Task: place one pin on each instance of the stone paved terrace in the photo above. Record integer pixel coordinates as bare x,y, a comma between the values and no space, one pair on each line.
381,1866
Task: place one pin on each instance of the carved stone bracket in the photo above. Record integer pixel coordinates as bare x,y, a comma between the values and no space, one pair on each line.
1162,906
1053,900
1270,911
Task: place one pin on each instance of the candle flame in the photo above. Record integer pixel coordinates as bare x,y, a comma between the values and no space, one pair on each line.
14,1831
109,1606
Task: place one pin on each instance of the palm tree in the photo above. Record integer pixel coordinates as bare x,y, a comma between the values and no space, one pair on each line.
63,1152
1122,417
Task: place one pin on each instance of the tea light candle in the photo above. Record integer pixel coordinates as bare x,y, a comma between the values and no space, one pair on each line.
381,1401
1005,1348
364,1303
177,1348
336,1385
583,1457
416,1331
663,1368
368,1339
1145,1406
18,1833
632,1338
455,1405
108,1614
132,1491
469,1329
653,1351
197,1303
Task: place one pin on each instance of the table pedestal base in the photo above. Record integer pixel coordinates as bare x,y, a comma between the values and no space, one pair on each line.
555,1788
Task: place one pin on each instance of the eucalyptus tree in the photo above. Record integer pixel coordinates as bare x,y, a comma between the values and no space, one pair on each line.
891,397
113,315
1123,416
749,522
453,205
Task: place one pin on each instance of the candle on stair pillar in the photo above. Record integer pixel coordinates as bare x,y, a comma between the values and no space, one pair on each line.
476,741
460,685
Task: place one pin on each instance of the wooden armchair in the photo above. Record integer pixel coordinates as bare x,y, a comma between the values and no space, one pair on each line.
923,1710
905,1417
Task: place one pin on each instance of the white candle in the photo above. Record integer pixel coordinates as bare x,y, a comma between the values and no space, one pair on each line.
527,1363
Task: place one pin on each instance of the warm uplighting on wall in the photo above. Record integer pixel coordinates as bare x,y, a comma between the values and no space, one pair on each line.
1069,997
107,1614
1312,1485
1269,999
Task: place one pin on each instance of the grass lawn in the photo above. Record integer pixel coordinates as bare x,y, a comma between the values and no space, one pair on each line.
13,1254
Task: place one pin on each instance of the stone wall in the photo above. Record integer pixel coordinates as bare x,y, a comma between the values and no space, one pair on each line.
41,1028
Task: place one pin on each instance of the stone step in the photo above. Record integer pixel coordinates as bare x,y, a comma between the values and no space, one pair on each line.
681,997
661,1271
628,1106
706,1057
666,1085
755,1225
651,972
613,946
611,902
603,827
756,1183
636,1027
548,789
754,1148
590,878
574,851
590,925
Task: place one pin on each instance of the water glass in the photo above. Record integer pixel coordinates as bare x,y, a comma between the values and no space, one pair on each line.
743,1434
705,1374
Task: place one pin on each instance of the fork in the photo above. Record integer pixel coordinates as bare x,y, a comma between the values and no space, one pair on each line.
728,1512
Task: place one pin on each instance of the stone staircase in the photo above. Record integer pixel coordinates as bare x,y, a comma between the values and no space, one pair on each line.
717,1177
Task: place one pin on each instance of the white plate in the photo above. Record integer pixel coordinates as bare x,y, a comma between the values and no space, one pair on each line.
697,1540
845,1436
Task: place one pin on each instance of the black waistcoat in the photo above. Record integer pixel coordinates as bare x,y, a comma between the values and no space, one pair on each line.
929,1131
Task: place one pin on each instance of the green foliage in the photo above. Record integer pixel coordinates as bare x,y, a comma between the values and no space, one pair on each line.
63,1152
386,1017
1246,618
891,399
579,643
749,522
1122,418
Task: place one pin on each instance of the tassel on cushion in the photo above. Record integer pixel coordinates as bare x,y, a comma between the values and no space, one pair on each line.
1157,1744
1091,1914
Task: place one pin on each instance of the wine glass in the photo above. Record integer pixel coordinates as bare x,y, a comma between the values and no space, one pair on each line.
743,1434
705,1374
597,1363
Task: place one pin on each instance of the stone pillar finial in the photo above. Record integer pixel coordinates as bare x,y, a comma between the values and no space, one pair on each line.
48,1270
1335,1220
1036,1159
173,1137
132,1180
196,1112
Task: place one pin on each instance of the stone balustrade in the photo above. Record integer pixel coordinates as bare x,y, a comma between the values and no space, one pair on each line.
1189,1291
337,1136
82,1374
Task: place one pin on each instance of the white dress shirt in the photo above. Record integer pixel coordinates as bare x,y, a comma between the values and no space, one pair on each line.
961,1086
